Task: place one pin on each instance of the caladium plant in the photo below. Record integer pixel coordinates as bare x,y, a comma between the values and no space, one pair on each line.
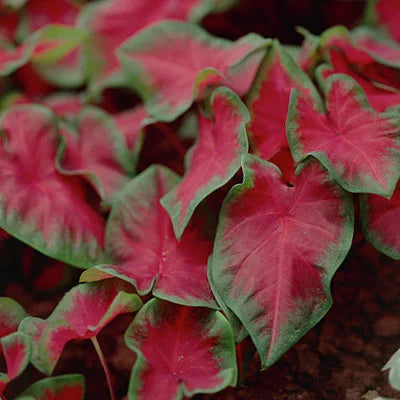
213,181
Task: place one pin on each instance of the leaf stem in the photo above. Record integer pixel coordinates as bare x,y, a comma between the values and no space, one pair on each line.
104,365
180,148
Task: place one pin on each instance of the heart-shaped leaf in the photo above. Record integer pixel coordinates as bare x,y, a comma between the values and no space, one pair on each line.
181,351
11,314
38,205
213,160
114,21
171,64
17,350
358,146
268,101
64,387
141,244
81,314
97,150
380,221
292,239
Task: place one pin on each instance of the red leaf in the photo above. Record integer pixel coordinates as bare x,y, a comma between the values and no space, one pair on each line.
171,64
387,14
40,13
379,98
97,150
369,64
214,159
112,22
11,314
142,245
65,387
381,218
358,146
39,205
268,101
131,124
64,105
17,354
81,314
181,351
276,250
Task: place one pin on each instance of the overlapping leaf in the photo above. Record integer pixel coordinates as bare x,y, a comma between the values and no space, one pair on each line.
380,98
171,64
81,314
360,147
381,218
268,102
17,354
393,365
181,351
385,13
143,248
276,250
214,159
112,22
69,70
11,314
38,205
97,150
64,387
45,47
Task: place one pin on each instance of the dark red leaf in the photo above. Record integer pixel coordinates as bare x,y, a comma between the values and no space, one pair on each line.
214,159
276,250
358,146
143,248
38,205
181,351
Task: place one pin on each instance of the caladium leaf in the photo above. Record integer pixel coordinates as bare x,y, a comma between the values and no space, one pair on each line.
380,98
38,205
65,105
97,150
368,63
380,220
141,243
11,314
68,71
273,258
81,314
39,13
132,124
112,22
64,387
378,45
44,47
171,64
17,354
386,14
214,159
358,146
180,351
268,101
